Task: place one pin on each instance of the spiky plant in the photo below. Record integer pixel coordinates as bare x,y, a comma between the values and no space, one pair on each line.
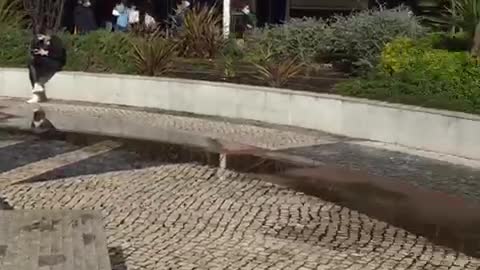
201,34
458,15
153,56
278,71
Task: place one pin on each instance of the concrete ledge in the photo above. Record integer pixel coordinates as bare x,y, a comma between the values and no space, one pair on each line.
427,129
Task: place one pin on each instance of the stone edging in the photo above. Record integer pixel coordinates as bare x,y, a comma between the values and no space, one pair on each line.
427,129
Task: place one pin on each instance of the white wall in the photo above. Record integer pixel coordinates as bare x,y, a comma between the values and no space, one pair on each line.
426,129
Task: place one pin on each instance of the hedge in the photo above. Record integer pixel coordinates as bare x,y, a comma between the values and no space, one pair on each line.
413,72
96,52
355,40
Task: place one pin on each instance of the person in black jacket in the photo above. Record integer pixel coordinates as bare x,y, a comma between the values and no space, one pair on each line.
48,56
84,17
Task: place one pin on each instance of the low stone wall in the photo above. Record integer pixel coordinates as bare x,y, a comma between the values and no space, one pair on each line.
427,129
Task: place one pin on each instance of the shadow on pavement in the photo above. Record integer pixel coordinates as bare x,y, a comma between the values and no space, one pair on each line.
29,151
133,155
5,116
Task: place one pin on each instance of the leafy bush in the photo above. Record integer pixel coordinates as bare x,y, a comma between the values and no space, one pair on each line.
301,38
355,40
405,90
15,46
460,41
399,54
413,72
99,51
153,56
359,39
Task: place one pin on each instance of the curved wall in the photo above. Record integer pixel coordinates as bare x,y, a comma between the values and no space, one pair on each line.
427,129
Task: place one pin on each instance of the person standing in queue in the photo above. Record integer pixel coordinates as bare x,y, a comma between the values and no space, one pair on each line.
84,17
47,57
121,13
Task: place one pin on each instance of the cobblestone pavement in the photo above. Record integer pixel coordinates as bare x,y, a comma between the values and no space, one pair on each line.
254,135
162,215
431,174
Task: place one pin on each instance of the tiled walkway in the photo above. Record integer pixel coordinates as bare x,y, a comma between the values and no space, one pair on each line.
430,173
165,215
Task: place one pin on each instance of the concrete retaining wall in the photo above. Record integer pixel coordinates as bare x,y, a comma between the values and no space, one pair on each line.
432,130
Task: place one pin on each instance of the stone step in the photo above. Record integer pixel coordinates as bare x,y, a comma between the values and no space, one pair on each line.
52,239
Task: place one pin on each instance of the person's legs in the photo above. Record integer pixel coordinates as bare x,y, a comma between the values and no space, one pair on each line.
108,26
41,75
32,74
36,88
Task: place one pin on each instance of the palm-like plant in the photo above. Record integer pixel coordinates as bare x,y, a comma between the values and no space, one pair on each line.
459,15
465,15
201,33
153,56
277,72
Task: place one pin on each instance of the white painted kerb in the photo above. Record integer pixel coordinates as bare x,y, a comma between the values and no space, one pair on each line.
432,130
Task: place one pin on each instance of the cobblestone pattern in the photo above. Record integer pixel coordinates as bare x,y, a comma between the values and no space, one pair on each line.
432,174
187,216
54,240
263,137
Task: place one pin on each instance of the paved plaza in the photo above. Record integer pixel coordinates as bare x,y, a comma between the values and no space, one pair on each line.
165,215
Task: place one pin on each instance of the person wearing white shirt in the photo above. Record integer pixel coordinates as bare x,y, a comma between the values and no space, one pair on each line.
149,21
133,15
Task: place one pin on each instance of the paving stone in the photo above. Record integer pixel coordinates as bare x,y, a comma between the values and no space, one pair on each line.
44,239
162,215
255,135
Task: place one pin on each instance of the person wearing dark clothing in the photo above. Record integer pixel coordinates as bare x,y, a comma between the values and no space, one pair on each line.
105,9
84,17
48,56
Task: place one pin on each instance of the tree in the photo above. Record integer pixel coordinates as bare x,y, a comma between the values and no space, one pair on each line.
46,14
476,42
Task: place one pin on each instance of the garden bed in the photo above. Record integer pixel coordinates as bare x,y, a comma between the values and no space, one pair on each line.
319,80
415,72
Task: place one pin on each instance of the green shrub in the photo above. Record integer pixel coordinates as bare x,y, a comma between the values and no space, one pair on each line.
457,42
15,47
359,39
414,72
355,40
300,38
99,51
410,89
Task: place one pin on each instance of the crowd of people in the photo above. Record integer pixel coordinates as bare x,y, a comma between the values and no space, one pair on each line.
122,15
115,16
